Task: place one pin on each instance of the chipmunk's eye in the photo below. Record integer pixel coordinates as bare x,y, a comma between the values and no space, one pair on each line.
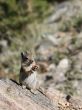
26,58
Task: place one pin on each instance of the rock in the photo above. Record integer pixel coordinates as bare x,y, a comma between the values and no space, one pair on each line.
51,42
78,63
77,84
56,16
61,69
52,68
13,97
3,46
64,11
45,48
78,43
58,39
63,66
53,39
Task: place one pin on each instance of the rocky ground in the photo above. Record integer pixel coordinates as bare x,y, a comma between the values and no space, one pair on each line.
56,44
13,97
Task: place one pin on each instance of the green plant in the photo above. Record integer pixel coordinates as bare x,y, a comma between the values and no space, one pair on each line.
40,7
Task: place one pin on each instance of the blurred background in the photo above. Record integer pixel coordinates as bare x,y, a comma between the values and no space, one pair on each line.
52,31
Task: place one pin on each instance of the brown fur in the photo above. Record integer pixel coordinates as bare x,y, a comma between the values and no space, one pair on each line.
28,65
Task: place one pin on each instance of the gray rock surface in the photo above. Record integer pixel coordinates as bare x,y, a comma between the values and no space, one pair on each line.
13,97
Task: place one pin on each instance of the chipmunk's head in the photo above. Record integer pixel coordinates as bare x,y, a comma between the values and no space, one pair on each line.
27,60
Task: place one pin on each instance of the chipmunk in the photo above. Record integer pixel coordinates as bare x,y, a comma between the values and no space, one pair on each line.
28,73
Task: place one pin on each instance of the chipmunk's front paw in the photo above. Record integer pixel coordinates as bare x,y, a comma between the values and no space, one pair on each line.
34,91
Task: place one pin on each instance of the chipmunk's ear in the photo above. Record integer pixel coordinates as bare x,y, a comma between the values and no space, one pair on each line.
24,55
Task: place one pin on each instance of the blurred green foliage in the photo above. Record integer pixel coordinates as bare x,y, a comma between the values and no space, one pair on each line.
41,7
14,13
15,17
